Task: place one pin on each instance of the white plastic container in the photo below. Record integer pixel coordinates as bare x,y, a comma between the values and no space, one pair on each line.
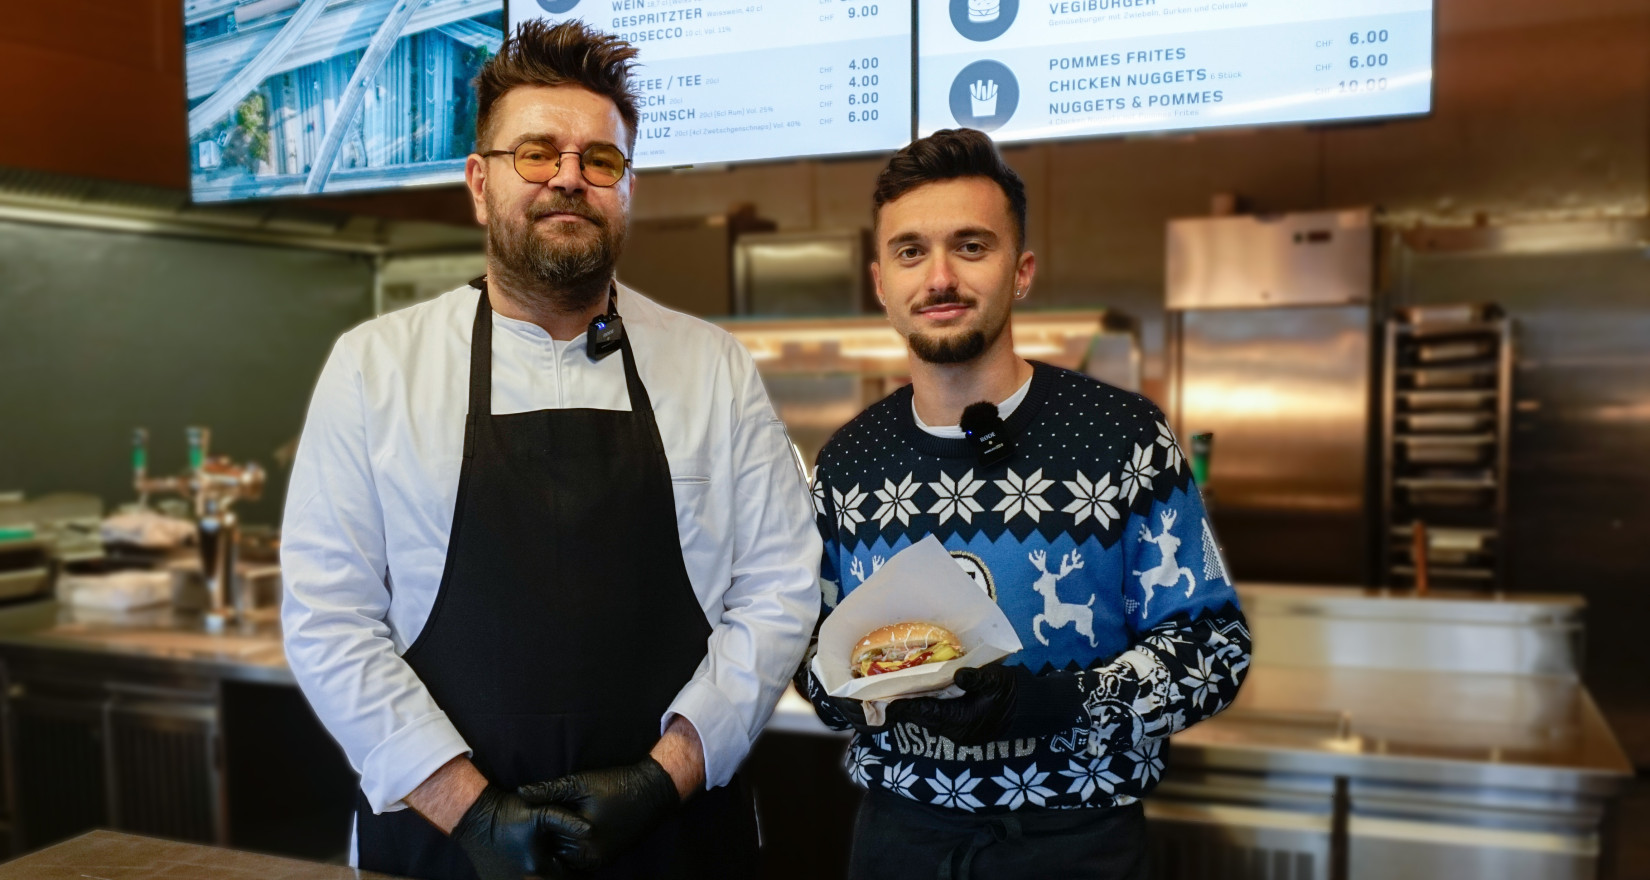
117,591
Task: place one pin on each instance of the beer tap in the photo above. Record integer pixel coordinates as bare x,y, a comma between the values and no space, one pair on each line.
212,486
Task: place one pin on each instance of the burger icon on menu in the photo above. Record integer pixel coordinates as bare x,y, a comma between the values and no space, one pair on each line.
982,20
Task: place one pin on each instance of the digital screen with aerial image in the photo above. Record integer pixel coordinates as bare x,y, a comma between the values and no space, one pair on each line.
288,97
1033,69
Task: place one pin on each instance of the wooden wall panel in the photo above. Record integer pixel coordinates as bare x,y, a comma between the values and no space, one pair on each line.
94,89
1530,123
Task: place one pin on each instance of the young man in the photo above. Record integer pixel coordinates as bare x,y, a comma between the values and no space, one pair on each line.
1091,537
547,574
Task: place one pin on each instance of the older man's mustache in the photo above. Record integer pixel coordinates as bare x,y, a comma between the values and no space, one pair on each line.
562,203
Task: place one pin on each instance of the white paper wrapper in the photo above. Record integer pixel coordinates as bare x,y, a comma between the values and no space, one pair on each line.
922,582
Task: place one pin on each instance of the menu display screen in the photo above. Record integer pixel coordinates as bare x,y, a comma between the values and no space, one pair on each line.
1032,69
736,80
288,97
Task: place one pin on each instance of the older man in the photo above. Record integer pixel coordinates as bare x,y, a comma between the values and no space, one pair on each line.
549,559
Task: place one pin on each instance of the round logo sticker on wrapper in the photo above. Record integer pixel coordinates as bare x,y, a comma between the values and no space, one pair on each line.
975,568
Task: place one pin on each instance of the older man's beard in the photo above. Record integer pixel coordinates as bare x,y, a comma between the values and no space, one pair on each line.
568,273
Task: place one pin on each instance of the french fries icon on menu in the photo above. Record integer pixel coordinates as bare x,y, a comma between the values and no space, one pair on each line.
983,95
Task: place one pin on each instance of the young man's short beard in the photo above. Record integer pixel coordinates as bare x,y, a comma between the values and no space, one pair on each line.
954,349
564,276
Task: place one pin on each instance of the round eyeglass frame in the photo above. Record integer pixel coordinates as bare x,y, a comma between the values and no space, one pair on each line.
515,162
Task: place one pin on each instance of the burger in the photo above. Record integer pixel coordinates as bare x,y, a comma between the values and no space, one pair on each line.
902,646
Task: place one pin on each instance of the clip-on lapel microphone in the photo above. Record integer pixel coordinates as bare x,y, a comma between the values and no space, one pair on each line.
984,428
606,332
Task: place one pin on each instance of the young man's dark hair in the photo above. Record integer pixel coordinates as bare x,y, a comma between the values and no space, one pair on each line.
566,54
948,154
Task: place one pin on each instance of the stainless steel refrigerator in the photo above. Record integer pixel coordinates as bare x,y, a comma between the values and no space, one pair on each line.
1271,332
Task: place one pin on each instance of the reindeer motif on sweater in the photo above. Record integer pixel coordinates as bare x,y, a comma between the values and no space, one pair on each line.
1167,573
1056,613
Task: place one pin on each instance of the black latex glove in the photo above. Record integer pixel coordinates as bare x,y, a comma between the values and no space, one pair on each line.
980,715
834,711
854,711
622,805
506,837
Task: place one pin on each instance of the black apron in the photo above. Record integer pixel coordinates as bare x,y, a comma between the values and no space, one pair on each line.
896,838
564,626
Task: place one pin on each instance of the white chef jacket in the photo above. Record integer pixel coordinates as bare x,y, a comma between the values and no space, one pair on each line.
373,488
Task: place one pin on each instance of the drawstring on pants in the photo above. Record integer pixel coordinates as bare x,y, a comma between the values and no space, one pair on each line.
958,864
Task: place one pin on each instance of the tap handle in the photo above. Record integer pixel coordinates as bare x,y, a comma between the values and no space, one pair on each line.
199,439
140,453
1202,445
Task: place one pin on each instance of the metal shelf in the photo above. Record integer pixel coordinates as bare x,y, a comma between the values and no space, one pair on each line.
1435,331
1448,571
1445,439
1447,419
1486,482
1454,399
1440,422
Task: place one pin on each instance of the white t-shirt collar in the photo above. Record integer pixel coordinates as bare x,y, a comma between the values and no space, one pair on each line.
955,432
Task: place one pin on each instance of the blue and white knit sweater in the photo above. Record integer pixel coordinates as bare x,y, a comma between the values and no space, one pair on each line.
1093,540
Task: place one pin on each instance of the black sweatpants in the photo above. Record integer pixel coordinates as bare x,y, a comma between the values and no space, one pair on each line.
896,838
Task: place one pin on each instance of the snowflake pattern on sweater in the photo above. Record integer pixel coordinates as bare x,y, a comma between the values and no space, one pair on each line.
1093,540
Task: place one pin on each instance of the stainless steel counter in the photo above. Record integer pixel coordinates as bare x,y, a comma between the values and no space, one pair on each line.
1370,683
1498,730
149,723
1449,688
1450,729
1384,735
1469,730
158,639
1308,705
114,856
